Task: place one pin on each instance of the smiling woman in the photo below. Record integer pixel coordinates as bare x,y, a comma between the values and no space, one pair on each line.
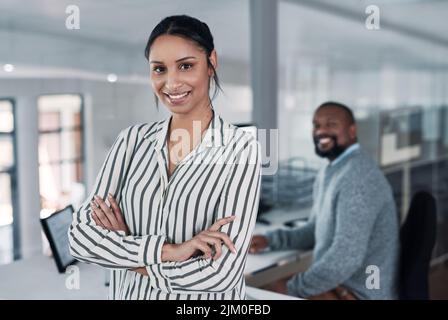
201,46
182,193
181,78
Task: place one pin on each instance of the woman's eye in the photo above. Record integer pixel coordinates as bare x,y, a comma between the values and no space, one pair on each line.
185,66
158,69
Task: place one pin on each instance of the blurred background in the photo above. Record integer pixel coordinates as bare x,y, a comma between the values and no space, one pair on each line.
65,94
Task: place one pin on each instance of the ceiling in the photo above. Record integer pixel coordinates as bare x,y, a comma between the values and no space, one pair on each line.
413,33
426,16
128,22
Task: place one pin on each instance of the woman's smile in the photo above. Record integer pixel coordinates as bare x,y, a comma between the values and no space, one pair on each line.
177,98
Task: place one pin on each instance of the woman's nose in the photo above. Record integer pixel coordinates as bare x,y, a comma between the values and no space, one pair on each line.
173,82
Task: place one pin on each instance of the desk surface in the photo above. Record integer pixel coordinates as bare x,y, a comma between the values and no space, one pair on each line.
268,259
259,294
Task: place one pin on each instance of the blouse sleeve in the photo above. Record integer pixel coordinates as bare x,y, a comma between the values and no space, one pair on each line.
240,198
93,244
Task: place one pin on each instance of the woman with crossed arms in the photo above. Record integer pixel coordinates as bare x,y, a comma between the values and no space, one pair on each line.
173,208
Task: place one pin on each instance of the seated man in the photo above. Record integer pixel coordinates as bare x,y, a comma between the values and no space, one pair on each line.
353,226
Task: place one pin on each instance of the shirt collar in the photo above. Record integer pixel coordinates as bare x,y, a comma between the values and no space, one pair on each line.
213,137
345,154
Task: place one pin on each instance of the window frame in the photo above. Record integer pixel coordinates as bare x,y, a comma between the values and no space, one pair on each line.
81,128
13,174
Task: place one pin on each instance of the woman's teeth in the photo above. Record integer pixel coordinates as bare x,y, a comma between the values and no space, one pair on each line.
177,96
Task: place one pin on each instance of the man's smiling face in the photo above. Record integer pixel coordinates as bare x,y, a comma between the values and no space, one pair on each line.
333,132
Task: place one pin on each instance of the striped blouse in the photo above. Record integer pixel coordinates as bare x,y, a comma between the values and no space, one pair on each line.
220,177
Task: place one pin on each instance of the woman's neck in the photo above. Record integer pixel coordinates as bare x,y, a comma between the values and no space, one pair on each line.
185,121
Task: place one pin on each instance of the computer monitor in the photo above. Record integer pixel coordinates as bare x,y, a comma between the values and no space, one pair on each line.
55,228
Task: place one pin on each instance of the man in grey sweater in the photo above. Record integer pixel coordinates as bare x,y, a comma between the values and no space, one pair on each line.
353,226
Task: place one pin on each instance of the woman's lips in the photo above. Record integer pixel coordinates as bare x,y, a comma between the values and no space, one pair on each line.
177,98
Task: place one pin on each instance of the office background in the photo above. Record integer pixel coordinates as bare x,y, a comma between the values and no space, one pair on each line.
65,94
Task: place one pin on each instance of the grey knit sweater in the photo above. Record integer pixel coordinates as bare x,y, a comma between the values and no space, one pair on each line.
353,225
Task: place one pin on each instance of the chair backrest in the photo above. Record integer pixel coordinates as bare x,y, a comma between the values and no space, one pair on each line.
418,236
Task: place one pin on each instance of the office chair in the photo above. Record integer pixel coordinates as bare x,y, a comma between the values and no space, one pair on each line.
417,236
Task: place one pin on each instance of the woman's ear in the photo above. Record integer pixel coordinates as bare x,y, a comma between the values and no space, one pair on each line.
214,61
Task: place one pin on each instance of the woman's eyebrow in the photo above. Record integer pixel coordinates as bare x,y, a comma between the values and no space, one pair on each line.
178,60
185,58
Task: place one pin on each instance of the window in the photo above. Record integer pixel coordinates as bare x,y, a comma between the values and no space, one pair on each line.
8,178
60,152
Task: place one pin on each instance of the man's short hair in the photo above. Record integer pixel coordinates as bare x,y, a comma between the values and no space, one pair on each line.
341,106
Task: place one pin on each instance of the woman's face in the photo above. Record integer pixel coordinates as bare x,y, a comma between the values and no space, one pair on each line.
179,74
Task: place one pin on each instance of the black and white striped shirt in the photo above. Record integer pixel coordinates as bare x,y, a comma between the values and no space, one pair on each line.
220,177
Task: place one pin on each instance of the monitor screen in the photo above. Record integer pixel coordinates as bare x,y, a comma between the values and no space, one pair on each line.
55,228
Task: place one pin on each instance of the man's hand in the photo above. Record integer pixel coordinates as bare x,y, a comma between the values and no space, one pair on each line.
258,244
279,286
339,293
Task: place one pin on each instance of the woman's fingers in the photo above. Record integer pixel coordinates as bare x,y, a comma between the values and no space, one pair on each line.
107,212
141,270
205,239
103,205
203,246
97,221
100,215
115,208
222,237
216,242
111,217
219,223
118,214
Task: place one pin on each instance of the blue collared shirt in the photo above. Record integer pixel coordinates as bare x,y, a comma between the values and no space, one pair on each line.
345,154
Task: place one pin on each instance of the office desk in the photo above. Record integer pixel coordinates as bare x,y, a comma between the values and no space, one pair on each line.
267,267
259,294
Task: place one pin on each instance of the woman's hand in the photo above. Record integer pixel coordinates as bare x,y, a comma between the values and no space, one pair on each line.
141,270
109,218
202,242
